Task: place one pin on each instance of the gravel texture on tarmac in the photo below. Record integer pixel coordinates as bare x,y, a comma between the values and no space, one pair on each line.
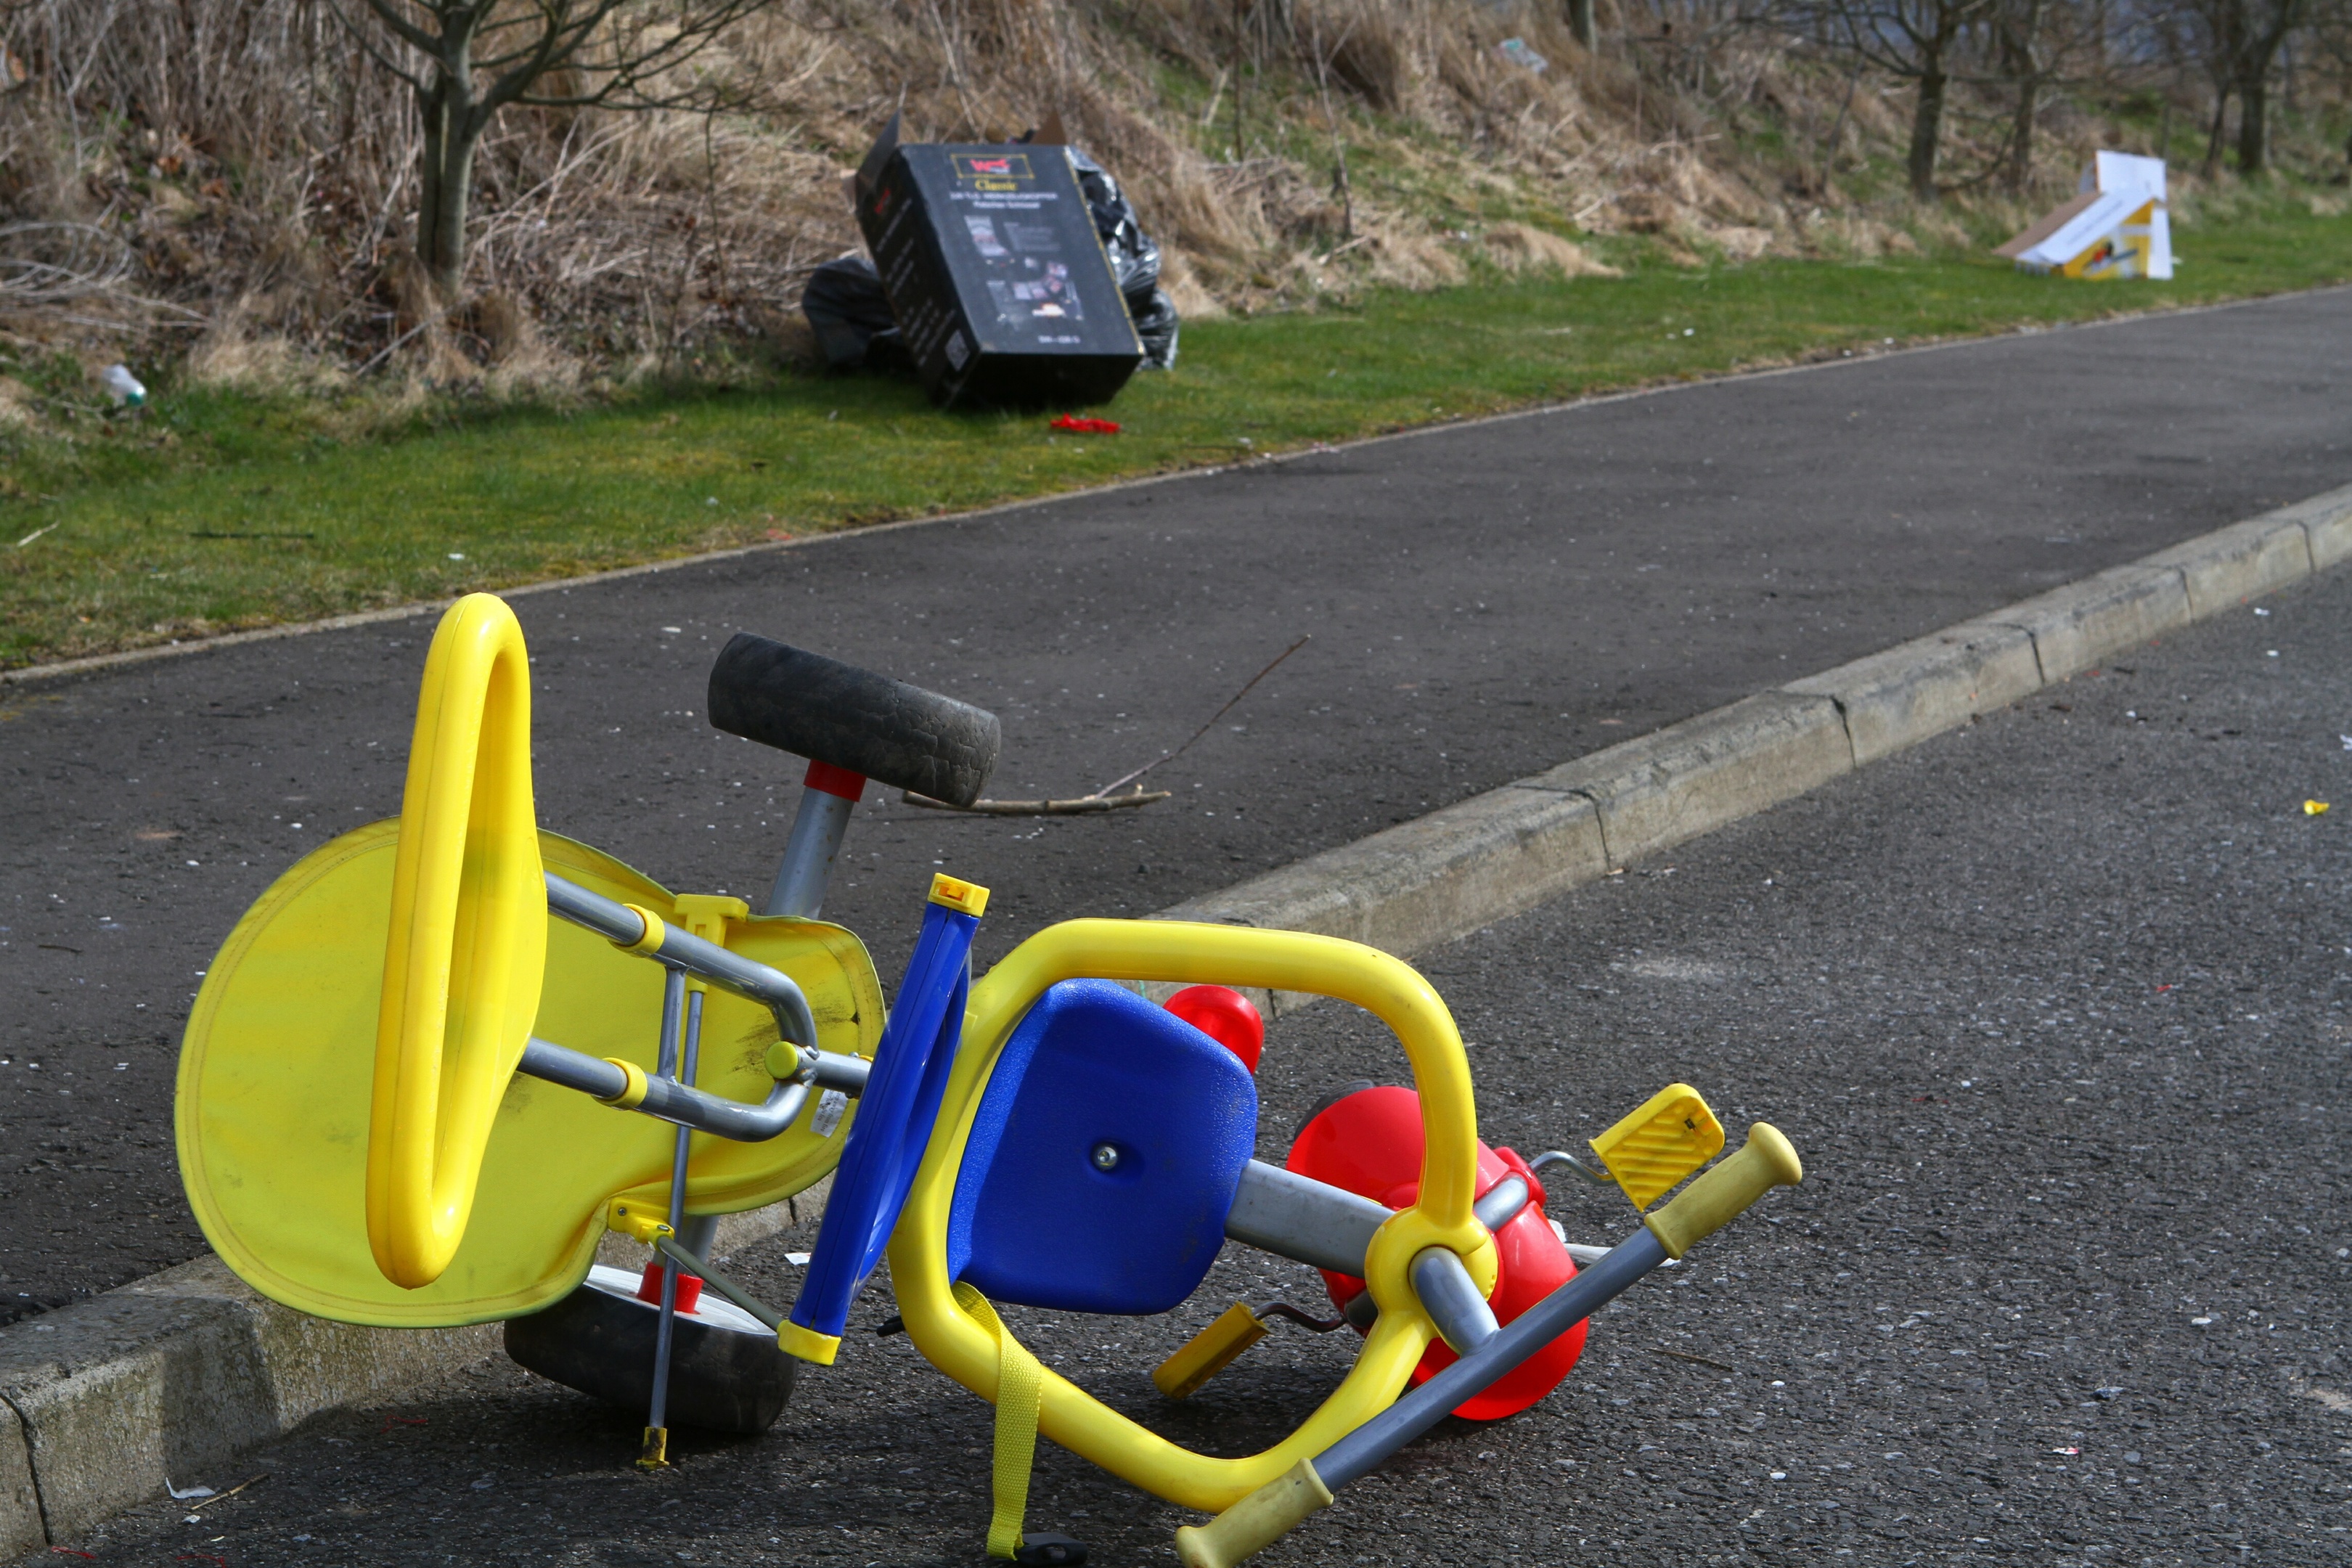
1486,602
2058,1008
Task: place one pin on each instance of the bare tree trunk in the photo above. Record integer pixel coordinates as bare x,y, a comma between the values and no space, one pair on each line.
480,55
1580,22
2213,138
451,134
2021,137
2019,39
2254,140
1928,128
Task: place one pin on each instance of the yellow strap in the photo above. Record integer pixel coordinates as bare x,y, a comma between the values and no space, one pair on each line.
1019,1381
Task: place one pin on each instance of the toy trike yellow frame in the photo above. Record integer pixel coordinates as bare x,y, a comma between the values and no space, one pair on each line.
1230,955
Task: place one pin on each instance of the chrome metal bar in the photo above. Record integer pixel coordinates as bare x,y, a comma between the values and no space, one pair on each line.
818,827
1562,1157
700,1234
665,1322
680,949
592,1075
721,1117
668,1101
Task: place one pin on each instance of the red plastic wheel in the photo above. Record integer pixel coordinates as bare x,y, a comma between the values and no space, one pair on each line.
1370,1143
1226,1016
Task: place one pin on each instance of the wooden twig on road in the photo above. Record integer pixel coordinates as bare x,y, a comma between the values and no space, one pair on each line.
1102,800
1082,805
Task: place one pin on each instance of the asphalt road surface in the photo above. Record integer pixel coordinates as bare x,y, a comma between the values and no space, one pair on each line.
1485,601
2058,1008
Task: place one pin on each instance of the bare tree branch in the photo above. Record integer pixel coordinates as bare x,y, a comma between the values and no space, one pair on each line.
482,57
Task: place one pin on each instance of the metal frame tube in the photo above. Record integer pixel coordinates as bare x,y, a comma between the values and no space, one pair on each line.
1361,1450
1451,1297
1502,1203
684,1104
656,1448
681,949
592,1075
818,827
1303,1219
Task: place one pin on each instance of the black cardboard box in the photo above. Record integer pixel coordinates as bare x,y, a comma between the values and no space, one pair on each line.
995,274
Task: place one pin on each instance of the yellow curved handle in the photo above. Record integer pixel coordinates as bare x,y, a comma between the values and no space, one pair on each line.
467,943
1183,953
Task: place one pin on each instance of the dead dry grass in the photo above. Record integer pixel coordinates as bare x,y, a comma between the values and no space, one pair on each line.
252,177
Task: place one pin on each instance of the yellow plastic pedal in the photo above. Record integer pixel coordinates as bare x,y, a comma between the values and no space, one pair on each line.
1208,1353
1667,1136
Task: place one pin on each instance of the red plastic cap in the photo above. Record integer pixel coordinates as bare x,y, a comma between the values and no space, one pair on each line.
1224,1016
835,781
689,1289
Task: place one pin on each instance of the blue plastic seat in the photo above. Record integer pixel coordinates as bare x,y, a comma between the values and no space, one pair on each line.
1102,1157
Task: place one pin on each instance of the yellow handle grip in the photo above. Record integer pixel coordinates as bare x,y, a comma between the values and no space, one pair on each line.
467,947
1256,1522
1766,1161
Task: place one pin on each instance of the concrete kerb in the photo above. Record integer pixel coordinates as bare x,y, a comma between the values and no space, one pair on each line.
105,1402
101,1401
1443,876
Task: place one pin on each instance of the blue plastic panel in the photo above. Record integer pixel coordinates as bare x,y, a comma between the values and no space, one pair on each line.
885,1143
1037,1221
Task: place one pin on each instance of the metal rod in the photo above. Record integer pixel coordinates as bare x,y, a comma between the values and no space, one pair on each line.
687,1106
700,1234
681,949
673,1004
592,1075
1562,1157
700,1267
657,1445
1361,1450
818,827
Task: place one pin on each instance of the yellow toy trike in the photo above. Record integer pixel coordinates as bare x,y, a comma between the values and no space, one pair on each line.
392,1092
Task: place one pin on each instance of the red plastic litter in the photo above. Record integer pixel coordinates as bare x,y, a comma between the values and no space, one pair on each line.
1078,426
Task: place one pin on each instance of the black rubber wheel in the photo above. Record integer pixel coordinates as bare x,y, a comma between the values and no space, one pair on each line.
828,711
600,1341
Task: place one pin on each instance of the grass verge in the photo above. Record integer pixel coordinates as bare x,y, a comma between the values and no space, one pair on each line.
213,513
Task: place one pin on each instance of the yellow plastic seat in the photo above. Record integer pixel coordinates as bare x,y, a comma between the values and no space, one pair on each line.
276,1072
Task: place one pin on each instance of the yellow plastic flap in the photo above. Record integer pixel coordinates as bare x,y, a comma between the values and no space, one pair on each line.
1667,1136
278,1062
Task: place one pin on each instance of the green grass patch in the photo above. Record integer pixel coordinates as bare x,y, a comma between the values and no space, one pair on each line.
213,513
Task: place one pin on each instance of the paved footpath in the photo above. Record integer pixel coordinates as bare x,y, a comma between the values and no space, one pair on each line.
1486,601
2057,1006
